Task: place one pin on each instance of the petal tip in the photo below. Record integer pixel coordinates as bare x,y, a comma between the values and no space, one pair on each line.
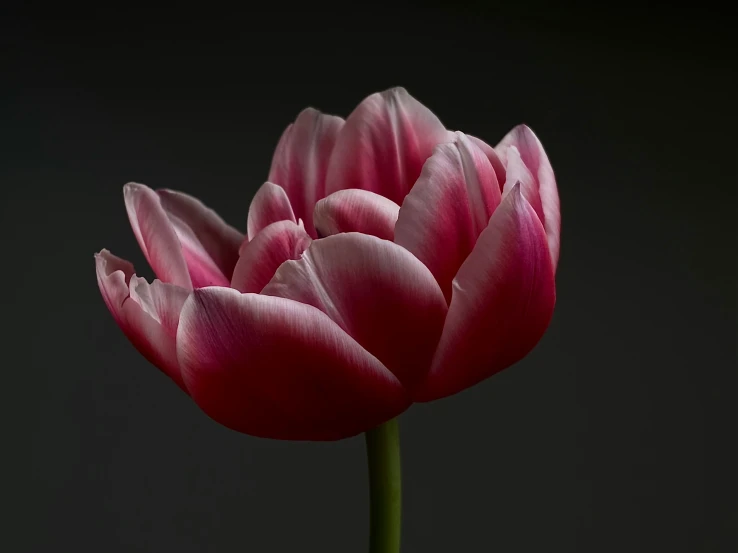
309,111
107,263
133,190
399,90
133,187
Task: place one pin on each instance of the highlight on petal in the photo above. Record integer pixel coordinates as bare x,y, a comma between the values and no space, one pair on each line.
147,314
185,242
503,300
209,244
301,159
356,210
275,368
380,294
270,204
448,208
383,145
262,256
535,159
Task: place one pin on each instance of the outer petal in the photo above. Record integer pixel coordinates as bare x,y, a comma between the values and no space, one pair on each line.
503,299
384,144
209,244
448,208
262,256
535,158
377,292
300,161
270,204
113,276
356,211
275,368
147,314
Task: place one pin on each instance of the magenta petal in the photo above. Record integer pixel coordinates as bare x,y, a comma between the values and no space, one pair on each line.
384,144
147,314
270,204
376,291
301,159
262,256
535,159
275,368
155,235
503,299
448,208
356,211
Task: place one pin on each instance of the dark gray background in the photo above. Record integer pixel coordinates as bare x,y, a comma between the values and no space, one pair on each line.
617,434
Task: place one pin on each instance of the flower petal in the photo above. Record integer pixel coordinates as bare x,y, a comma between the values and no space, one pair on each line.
301,160
155,234
186,243
503,299
270,204
113,276
275,368
384,144
376,291
209,244
448,208
535,159
492,156
356,211
147,314
262,256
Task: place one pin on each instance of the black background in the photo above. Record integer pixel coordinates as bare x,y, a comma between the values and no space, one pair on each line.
617,434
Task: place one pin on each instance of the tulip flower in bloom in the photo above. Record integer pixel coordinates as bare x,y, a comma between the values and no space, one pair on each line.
387,260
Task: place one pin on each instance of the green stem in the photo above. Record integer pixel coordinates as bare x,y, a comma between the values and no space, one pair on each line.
385,490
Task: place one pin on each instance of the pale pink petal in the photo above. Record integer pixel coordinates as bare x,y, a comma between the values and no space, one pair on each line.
534,157
300,161
383,145
518,173
356,211
262,256
503,299
276,368
155,234
113,276
209,244
492,156
147,314
185,242
448,208
160,301
376,291
270,204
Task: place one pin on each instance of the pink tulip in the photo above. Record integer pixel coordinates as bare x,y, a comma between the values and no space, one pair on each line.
340,307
